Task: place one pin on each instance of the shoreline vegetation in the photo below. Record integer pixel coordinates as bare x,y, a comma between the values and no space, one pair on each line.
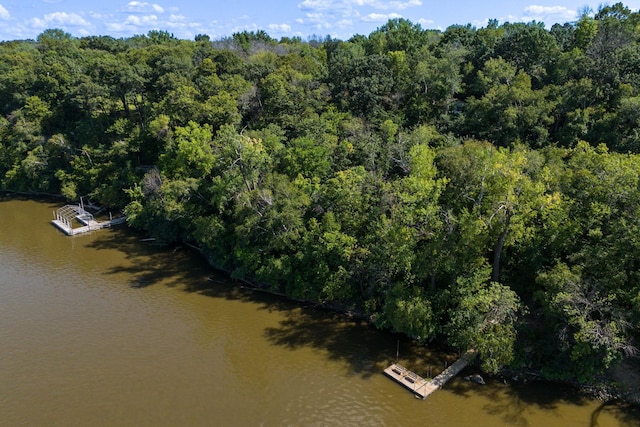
478,187
616,385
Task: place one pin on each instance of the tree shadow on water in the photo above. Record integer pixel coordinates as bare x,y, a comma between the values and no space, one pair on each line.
366,350
149,264
626,413
551,396
514,401
363,348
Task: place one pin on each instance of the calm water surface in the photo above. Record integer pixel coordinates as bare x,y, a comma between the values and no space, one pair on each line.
103,330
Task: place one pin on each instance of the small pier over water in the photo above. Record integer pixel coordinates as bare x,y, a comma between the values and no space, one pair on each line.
410,380
422,387
67,216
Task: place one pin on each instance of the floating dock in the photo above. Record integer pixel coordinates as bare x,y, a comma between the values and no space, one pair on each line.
66,216
410,380
421,387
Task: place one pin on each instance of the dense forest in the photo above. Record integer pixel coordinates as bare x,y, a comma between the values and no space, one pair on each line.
475,186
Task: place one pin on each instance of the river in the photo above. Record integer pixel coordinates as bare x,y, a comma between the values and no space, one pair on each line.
105,330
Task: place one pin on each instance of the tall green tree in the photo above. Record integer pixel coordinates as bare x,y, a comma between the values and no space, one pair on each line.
484,318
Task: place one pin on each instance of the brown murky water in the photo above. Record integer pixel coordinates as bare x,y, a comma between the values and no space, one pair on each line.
103,330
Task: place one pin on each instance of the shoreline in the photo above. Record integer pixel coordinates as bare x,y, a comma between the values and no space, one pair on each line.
616,386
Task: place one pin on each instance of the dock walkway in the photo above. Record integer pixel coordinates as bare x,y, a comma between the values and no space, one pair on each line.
67,215
90,226
422,387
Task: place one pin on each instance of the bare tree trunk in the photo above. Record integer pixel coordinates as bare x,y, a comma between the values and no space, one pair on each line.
497,250
125,105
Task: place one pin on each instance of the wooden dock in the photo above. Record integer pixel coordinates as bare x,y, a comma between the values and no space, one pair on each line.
70,214
410,380
90,226
422,387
